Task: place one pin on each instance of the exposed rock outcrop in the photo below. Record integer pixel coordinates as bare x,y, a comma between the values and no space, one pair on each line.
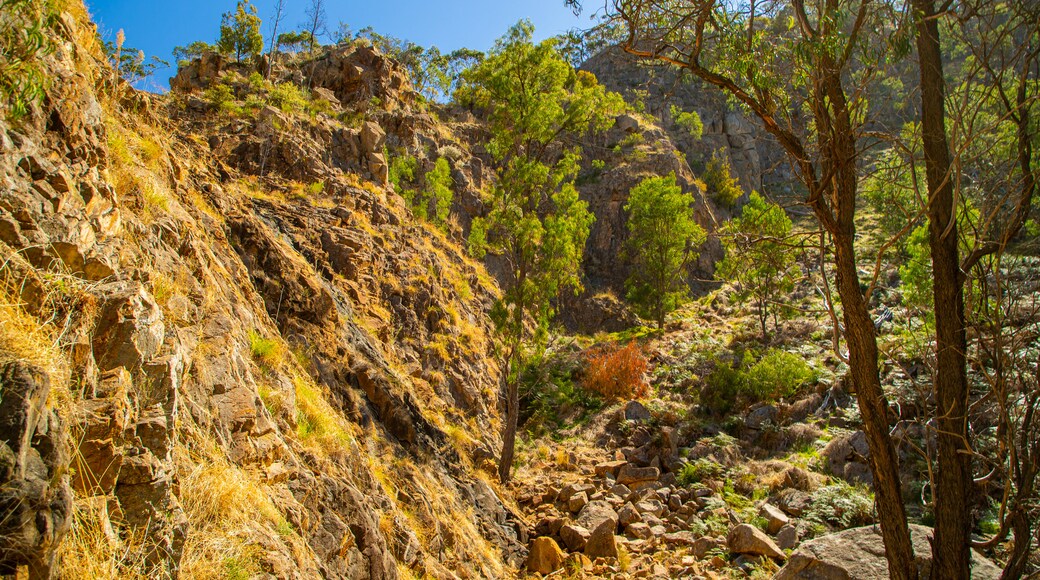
35,498
259,363
859,554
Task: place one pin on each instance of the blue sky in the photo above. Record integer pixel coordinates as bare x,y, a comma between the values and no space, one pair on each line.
156,27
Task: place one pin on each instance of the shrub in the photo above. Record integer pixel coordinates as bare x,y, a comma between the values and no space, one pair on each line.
777,375
222,96
724,188
698,471
288,97
688,120
267,352
616,373
841,505
550,396
24,39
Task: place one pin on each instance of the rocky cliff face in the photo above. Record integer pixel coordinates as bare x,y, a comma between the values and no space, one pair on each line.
755,158
264,364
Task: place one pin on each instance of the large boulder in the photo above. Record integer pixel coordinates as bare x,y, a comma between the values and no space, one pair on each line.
35,498
545,557
859,554
602,543
631,474
595,513
846,457
747,539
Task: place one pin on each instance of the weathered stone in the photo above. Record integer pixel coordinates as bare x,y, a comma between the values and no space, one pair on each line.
35,498
577,501
627,123
636,411
761,415
787,537
577,561
611,467
602,543
653,507
574,536
794,502
130,329
747,539
544,556
859,554
679,539
775,518
628,515
703,545
372,137
638,530
630,474
595,513
570,490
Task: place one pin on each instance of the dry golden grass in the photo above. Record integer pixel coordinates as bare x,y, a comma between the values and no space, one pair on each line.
225,505
94,549
28,339
319,425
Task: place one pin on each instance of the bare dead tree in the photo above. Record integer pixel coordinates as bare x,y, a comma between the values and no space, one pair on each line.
279,13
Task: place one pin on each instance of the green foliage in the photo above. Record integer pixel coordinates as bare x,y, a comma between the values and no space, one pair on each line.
842,505
295,42
533,98
698,471
688,120
915,274
24,38
240,31
722,186
288,97
265,351
760,258
663,237
439,192
891,192
550,396
776,375
222,96
185,54
402,170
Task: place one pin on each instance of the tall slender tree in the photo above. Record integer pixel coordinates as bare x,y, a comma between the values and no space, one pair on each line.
536,105
799,82
316,23
279,13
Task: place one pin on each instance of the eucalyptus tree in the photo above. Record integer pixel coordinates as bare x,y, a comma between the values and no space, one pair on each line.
240,31
663,239
536,105
802,70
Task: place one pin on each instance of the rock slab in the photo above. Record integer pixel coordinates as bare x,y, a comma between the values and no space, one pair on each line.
859,554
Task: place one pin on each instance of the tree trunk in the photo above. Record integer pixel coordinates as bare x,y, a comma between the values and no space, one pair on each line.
840,154
863,365
951,547
505,464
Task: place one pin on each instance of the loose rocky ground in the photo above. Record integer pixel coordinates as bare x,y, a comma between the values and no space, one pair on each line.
659,488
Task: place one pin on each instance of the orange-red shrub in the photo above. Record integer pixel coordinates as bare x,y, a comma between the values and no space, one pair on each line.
616,373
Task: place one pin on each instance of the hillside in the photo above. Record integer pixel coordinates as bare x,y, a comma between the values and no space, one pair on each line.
243,337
